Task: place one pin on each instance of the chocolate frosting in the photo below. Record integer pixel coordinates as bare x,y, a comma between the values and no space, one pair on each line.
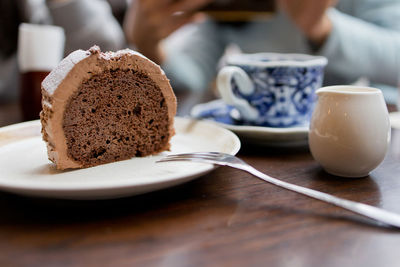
65,80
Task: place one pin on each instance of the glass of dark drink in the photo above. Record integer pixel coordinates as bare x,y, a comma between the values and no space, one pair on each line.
40,49
30,93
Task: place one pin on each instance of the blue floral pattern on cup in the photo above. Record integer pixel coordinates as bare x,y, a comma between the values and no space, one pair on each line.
284,96
272,89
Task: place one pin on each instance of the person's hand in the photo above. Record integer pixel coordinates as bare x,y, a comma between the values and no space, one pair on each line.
147,22
310,17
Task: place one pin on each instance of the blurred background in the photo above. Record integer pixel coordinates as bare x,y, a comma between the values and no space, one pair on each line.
191,38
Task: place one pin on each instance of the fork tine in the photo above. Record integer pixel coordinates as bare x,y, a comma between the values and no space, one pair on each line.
198,154
193,156
188,159
184,156
173,159
206,153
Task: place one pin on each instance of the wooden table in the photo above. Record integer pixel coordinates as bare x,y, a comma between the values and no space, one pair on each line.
226,218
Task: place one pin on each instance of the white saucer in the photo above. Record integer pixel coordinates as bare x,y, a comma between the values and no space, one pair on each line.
26,170
223,115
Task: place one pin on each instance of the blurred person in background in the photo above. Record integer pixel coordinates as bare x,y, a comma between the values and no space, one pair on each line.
360,38
85,22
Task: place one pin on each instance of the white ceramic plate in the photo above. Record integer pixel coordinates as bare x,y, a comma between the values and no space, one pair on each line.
26,170
217,112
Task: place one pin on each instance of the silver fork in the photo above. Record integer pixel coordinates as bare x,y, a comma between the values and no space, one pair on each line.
223,159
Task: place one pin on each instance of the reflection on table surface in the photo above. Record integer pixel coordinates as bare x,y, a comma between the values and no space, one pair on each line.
226,218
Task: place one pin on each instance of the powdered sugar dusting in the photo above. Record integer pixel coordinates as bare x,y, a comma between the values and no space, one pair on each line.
53,80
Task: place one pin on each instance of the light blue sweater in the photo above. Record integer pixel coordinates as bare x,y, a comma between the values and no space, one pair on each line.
365,42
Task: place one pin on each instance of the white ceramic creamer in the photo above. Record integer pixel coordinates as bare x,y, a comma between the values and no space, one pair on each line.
349,130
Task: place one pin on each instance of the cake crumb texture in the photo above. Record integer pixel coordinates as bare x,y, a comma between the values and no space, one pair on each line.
116,115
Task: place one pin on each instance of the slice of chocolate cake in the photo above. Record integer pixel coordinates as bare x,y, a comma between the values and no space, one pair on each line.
104,107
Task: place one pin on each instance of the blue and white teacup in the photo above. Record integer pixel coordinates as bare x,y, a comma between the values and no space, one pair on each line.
270,89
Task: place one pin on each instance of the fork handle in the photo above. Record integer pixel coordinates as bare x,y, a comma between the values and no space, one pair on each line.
375,213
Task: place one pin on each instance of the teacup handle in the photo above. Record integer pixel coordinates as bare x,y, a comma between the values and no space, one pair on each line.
245,86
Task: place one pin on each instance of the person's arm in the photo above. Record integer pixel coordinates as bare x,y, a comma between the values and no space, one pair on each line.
310,17
367,45
86,23
192,55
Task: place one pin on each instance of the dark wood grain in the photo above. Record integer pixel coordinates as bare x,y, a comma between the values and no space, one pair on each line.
226,218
